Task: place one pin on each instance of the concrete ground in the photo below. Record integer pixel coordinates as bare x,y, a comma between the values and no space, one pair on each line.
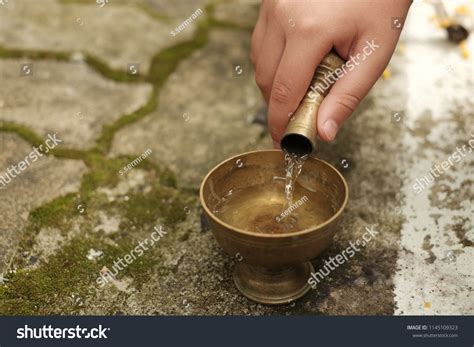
114,84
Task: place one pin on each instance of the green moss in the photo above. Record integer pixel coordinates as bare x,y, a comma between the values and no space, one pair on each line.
165,63
168,178
93,62
105,140
45,289
48,289
69,153
103,172
161,203
36,140
162,66
216,23
116,75
35,55
53,214
25,133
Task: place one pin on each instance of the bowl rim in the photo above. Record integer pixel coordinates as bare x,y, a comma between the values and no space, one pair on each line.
265,235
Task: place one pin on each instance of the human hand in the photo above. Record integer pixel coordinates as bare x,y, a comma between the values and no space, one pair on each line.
291,38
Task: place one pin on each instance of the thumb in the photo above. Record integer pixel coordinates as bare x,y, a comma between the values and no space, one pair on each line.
360,72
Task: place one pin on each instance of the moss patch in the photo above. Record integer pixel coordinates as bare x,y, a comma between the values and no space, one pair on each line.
52,287
25,133
144,209
54,213
33,54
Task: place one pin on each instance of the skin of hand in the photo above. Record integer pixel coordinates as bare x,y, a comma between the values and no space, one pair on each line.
291,38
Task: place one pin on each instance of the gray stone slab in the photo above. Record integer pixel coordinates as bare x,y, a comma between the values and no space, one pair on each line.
171,9
240,12
116,34
40,182
205,111
65,97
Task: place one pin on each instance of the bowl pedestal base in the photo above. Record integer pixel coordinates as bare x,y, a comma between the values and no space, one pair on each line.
273,286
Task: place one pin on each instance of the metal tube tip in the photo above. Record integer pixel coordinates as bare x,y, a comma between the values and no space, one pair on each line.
296,144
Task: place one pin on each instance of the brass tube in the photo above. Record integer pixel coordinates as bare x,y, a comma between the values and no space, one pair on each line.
301,132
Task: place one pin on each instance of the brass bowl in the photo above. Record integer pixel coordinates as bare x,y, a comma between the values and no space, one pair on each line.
273,268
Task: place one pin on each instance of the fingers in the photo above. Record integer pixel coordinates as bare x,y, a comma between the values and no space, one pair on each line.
269,58
294,73
258,35
362,70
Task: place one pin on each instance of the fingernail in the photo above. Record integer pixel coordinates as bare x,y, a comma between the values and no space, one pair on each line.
330,129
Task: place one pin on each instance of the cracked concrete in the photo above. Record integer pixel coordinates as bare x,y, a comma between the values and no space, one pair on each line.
116,34
66,97
194,128
26,191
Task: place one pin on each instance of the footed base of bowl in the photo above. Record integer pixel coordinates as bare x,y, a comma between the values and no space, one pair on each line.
273,286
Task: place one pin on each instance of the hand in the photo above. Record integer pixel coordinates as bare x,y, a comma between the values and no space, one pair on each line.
291,38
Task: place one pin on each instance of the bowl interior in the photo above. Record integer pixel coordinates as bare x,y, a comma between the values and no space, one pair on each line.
258,169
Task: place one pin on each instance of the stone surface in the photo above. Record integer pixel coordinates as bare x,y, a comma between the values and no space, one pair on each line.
240,12
435,273
171,9
68,98
204,113
118,35
28,190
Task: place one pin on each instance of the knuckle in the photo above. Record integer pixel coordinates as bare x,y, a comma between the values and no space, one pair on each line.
307,29
281,92
347,100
